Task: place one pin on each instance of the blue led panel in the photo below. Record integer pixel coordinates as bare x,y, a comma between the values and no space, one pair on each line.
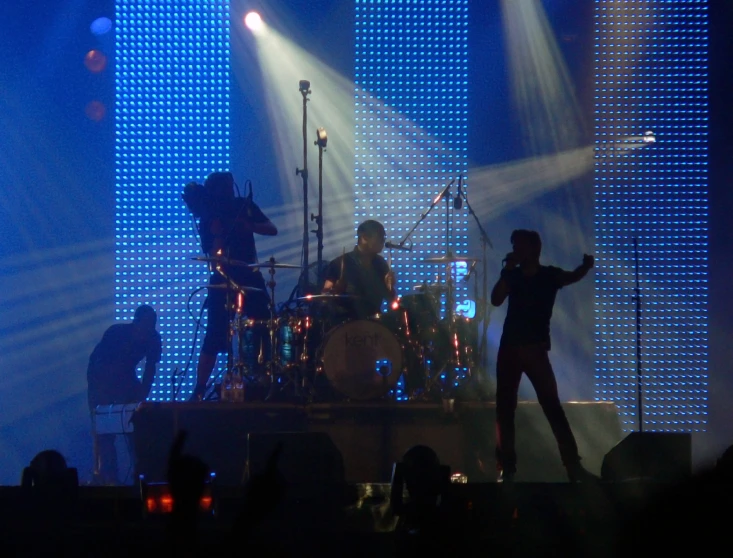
652,76
172,126
411,105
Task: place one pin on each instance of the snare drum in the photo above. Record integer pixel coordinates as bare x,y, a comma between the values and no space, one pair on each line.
362,359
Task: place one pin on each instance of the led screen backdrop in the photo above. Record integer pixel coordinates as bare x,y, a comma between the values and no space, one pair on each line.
651,78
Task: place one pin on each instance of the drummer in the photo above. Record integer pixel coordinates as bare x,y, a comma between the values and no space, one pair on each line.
363,274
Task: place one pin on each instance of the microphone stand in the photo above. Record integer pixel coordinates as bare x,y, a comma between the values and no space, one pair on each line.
304,86
484,300
321,143
442,195
637,299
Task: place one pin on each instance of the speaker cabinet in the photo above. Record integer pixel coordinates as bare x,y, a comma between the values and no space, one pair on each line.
656,456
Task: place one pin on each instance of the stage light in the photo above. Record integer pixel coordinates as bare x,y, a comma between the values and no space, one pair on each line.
321,138
96,111
95,61
100,26
253,21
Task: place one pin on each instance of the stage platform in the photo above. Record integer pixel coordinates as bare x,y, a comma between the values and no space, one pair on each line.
367,436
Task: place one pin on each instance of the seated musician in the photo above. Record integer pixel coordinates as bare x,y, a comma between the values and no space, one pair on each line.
112,377
363,274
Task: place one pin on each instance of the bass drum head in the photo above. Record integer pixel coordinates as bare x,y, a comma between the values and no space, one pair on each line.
362,359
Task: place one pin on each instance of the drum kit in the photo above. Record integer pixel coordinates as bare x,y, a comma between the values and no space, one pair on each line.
305,351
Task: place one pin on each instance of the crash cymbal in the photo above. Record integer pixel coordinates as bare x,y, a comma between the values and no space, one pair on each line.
244,288
220,260
450,259
325,296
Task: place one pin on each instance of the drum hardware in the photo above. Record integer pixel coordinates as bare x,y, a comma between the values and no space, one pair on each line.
444,340
220,260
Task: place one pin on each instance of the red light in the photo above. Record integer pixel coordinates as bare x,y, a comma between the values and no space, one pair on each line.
206,503
395,304
150,505
166,503
95,61
95,110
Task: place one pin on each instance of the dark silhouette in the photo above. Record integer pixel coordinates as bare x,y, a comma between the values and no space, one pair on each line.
525,343
227,225
112,377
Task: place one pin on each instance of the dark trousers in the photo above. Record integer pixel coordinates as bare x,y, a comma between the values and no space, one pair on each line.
534,361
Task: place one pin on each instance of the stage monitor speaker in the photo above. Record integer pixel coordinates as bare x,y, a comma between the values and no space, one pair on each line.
654,456
306,458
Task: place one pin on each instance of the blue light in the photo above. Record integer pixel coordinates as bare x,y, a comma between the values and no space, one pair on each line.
652,74
172,80
400,168
100,26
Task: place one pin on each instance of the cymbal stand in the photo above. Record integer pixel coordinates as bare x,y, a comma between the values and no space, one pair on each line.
274,366
444,194
483,306
232,286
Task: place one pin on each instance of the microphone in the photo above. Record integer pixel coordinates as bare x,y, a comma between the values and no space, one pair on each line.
470,271
458,200
444,193
397,247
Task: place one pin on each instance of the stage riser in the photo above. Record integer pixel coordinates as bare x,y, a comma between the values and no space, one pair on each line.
372,437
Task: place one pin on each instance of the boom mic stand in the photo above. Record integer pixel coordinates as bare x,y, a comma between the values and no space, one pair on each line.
442,195
304,87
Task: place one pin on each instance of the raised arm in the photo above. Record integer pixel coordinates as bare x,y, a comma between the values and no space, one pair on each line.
566,278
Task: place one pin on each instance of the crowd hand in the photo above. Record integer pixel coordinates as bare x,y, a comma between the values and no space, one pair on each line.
263,493
187,476
588,261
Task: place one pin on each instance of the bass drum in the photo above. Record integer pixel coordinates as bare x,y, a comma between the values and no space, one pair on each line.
361,359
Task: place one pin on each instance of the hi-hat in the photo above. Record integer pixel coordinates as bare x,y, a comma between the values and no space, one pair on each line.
325,296
451,258
273,264
221,260
434,288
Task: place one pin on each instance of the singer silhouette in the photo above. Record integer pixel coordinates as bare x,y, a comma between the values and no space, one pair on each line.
525,343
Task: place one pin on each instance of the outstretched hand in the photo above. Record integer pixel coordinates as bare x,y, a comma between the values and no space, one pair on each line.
263,492
187,476
588,261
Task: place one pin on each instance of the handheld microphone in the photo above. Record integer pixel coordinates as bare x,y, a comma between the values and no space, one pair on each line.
458,200
397,247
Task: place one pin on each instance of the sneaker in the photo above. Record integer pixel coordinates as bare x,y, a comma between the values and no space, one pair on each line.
506,477
578,473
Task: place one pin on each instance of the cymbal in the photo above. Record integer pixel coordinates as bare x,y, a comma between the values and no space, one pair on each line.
224,287
451,259
325,296
269,264
220,260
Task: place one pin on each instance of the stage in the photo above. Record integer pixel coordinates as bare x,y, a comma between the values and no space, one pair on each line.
363,438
